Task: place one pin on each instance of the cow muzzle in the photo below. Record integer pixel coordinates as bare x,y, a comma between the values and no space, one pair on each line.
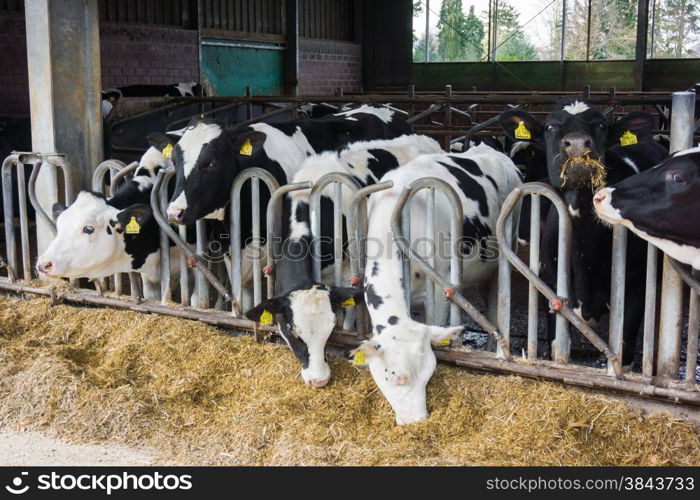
175,214
44,267
580,166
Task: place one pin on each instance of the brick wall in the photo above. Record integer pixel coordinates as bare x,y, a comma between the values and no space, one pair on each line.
129,54
147,54
325,65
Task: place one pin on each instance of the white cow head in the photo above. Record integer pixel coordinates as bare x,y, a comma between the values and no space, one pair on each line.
90,240
401,362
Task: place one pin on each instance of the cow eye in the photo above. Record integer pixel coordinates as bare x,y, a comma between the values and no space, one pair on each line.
88,229
602,125
676,176
549,128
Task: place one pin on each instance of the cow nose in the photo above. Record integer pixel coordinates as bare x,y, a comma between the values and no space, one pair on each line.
600,196
44,267
175,213
318,382
577,144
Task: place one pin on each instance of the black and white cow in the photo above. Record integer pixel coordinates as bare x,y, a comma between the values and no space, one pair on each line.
399,353
182,89
93,240
583,154
660,205
305,308
208,157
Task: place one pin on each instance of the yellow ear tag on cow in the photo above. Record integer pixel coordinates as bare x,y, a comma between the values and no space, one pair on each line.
521,132
168,151
111,98
628,138
443,343
247,148
359,358
266,317
133,227
349,302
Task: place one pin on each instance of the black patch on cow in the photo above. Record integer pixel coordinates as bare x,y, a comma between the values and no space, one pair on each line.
470,187
373,299
473,231
375,268
109,230
382,162
379,328
393,320
468,165
492,181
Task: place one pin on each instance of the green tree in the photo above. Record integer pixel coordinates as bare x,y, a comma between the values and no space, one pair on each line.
451,31
474,37
512,45
419,49
676,28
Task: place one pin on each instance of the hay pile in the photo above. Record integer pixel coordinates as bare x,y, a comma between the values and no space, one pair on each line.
198,396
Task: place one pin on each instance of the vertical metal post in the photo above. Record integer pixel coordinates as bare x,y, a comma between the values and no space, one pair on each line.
533,297
201,283
23,223
257,241
165,292
670,315
184,270
504,288
563,31
649,312
588,32
448,118
641,44
338,233
562,340
427,31
617,292
291,73
406,232
692,348
430,233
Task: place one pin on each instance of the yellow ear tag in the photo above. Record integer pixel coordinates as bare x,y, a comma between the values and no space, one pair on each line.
111,98
628,138
133,227
359,358
443,343
521,132
266,317
246,148
349,302
168,151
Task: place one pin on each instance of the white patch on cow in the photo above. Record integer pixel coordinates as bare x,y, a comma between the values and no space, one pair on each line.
179,203
106,107
150,160
404,362
517,147
576,107
177,132
186,88
288,151
192,142
631,164
457,147
575,212
314,321
217,214
143,182
384,114
75,254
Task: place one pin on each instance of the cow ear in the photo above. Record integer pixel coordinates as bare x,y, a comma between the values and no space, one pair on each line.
522,126
369,349
438,334
640,123
346,296
57,209
160,141
275,305
133,218
249,144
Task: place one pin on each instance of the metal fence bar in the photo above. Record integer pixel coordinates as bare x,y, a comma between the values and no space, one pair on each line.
430,233
254,173
691,363
23,224
257,278
338,234
8,211
671,311
165,286
533,297
617,291
650,312
564,312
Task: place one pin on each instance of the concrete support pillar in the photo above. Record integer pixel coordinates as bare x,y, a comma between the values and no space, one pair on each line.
63,57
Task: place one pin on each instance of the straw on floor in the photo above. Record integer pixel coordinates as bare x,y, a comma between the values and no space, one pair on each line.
199,396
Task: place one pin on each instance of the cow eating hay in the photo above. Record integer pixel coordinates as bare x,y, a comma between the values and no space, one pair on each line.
200,397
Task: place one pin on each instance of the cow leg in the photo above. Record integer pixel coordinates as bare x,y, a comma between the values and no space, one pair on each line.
151,289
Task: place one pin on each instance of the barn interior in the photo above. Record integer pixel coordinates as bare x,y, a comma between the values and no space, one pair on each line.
86,81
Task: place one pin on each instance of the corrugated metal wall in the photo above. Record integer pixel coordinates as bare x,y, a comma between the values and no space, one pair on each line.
166,12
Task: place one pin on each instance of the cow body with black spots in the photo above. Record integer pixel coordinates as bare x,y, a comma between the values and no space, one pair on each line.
305,308
208,158
583,154
660,205
399,353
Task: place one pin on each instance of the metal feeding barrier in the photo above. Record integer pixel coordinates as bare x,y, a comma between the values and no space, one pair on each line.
234,272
